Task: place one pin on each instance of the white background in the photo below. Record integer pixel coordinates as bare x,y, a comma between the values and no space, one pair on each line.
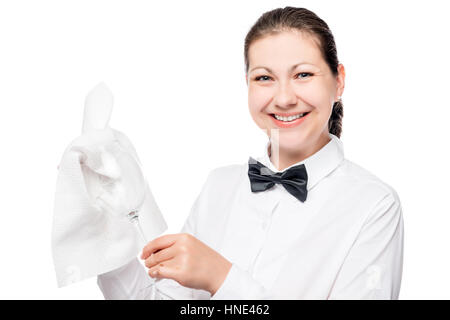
176,70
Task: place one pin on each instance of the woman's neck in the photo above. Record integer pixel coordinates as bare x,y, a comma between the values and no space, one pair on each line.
287,158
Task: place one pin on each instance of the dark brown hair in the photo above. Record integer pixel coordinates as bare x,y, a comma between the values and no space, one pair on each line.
304,20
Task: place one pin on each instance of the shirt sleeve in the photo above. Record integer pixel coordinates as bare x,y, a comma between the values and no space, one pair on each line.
132,282
240,285
373,266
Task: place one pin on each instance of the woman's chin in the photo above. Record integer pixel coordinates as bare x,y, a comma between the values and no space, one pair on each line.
293,137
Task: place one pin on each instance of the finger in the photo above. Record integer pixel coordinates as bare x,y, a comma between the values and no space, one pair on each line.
167,269
160,256
157,244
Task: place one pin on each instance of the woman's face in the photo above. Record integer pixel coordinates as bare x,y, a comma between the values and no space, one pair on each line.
288,76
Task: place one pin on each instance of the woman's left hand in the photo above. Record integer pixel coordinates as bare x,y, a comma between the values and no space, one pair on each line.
187,260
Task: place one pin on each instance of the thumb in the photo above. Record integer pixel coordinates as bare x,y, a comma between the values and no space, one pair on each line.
97,108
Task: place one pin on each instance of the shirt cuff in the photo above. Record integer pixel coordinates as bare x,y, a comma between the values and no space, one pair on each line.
239,285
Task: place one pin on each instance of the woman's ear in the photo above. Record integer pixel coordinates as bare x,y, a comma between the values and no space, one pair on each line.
340,79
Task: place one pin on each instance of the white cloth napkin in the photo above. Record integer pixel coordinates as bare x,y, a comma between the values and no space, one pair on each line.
99,182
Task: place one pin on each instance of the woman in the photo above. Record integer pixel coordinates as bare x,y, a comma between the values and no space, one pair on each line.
299,222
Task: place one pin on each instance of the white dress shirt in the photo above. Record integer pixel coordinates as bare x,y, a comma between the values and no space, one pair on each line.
344,242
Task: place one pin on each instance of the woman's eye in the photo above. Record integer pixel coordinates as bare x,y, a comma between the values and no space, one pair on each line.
257,78
303,73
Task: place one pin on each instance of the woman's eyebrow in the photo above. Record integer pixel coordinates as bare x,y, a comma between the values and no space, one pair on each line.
268,69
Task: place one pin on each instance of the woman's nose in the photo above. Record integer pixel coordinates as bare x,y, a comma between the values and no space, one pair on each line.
285,96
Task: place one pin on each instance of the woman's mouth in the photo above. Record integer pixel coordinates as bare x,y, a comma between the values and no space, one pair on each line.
288,122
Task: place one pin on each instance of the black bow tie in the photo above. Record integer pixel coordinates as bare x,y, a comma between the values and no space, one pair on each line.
294,179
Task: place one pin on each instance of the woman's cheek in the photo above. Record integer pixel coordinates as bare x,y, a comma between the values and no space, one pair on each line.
310,93
317,97
258,100
258,118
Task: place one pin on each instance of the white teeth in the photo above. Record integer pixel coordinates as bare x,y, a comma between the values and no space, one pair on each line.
290,118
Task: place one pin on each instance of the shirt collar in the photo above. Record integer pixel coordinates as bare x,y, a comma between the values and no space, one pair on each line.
318,165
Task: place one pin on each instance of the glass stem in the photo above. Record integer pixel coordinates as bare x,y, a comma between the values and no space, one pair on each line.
139,228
